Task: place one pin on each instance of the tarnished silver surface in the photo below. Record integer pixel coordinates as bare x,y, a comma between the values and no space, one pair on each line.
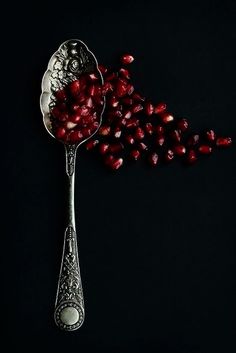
72,59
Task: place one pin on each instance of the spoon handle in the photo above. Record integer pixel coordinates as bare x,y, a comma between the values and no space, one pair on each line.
69,306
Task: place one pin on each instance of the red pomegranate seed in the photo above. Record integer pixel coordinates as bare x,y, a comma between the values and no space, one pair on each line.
94,90
61,95
223,141
116,163
129,139
117,132
167,118
127,59
169,155
74,88
142,146
159,129
133,122
210,135
122,122
153,159
94,125
139,134
137,108
160,140
191,157
88,102
149,128
75,136
135,155
84,110
60,133
127,114
204,149
81,98
193,140
102,69
104,130
130,89
149,109
113,102
103,148
107,87
175,135
74,107
110,77
86,132
121,88
76,117
91,144
182,124
179,150
127,101
160,108
56,112
93,77
70,125
124,73
116,147
137,97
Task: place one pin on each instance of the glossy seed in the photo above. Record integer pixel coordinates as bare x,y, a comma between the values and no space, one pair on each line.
160,108
103,148
149,109
142,146
135,155
193,140
169,155
127,114
74,88
102,69
116,163
153,159
91,144
104,130
129,139
182,124
175,135
160,140
75,136
137,108
223,141
167,118
137,97
139,134
127,59
116,147
133,122
60,133
124,73
204,149
149,128
191,157
210,135
117,132
179,150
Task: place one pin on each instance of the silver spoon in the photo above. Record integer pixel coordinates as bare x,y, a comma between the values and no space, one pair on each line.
67,64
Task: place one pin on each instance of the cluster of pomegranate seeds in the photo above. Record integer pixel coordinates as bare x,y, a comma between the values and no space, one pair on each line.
76,113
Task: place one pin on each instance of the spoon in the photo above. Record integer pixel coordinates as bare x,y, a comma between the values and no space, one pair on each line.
72,107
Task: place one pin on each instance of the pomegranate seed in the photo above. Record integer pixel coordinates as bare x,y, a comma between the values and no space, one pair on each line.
81,98
223,141
160,140
103,148
159,129
139,134
108,159
179,150
166,118
116,163
127,101
61,95
93,77
60,133
102,69
76,117
117,132
160,108
204,149
193,140
149,109
122,122
110,77
85,110
91,144
137,97
104,130
94,125
113,102
169,155
182,124
124,73
127,59
175,135
86,131
130,89
191,157
137,108
93,90
107,87
88,102
133,122
129,139
153,159
75,136
121,88
74,107
127,114
56,113
74,88
70,125
116,147
210,135
135,155
142,146
149,128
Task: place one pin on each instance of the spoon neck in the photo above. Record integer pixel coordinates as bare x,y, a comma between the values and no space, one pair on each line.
70,171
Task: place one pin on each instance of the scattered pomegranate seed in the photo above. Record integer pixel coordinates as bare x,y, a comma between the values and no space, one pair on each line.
104,130
223,141
160,140
113,102
127,59
193,140
182,124
133,122
205,149
116,147
137,97
149,128
137,108
153,159
117,132
129,139
210,135
175,135
142,146
127,114
139,134
135,155
169,155
107,87
149,108
191,157
179,150
124,73
84,111
91,144
167,118
116,163
159,129
160,108
127,101
130,89
121,88
103,148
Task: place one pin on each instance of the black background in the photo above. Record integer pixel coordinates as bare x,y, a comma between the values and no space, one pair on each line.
157,247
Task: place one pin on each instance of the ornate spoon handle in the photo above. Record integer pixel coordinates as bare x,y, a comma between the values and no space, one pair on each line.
69,307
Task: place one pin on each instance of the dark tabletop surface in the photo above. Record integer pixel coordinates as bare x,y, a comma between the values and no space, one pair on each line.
157,247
